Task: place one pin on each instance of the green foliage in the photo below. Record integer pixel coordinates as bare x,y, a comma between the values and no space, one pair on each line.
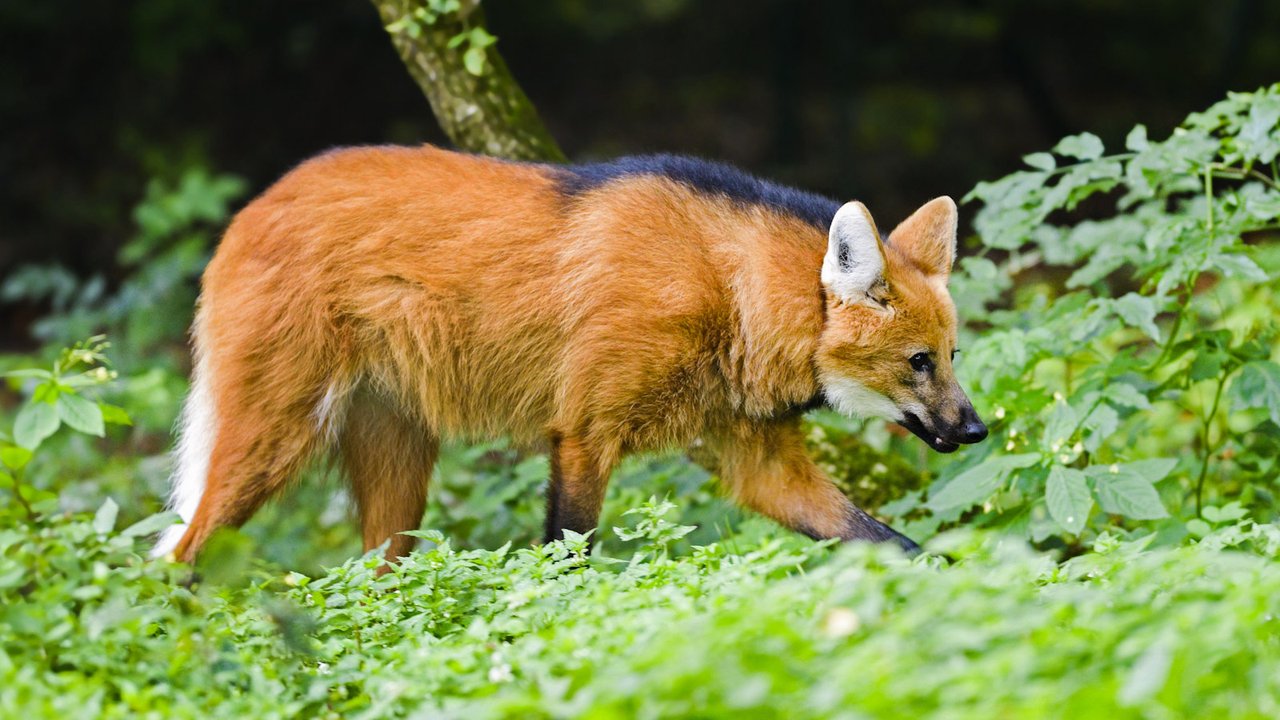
59,396
771,629
432,12
1145,384
147,316
1121,345
858,460
151,309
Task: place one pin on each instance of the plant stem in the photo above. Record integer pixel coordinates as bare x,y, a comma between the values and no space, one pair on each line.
1085,417
1067,168
1241,174
1208,196
22,500
1177,322
1205,428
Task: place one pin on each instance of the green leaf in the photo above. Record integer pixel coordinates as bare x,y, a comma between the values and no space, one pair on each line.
1059,426
1136,140
1258,139
474,60
1148,675
35,422
480,38
1066,492
114,415
1124,394
1198,528
977,483
1127,489
152,524
1152,471
1099,426
1258,386
1040,161
1236,265
1207,364
15,458
81,413
1085,146
1138,311
1227,513
35,373
104,521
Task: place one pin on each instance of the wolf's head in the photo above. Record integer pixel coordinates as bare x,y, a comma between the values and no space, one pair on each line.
890,331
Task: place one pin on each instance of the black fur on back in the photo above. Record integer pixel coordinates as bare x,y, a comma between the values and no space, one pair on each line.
708,177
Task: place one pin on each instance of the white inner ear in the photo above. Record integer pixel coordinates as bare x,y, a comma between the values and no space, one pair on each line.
854,262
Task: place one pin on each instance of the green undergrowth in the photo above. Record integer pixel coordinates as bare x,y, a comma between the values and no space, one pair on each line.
776,628
1112,547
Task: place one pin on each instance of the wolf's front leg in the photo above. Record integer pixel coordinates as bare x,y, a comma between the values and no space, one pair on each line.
579,477
765,467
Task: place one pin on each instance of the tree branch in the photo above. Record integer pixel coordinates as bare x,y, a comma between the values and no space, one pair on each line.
484,113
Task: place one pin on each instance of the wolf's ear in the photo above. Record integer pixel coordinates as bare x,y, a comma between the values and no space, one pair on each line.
855,261
928,237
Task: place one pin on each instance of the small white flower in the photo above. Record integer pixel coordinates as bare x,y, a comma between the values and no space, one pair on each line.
840,622
500,671
999,413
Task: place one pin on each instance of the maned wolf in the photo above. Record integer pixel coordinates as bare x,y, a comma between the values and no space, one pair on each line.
377,300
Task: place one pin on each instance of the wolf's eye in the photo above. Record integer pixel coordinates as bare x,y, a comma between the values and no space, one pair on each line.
920,362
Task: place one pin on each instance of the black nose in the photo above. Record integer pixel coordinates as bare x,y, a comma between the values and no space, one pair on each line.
972,431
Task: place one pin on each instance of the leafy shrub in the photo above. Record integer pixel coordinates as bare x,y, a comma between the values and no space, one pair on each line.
1144,386
773,629
152,307
59,396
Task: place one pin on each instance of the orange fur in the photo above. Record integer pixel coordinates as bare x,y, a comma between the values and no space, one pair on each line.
377,300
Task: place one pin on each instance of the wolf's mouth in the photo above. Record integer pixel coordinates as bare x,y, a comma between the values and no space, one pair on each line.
914,424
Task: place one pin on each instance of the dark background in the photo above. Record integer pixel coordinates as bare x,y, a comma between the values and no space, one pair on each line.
889,102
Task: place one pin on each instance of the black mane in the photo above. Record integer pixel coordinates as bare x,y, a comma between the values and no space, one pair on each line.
708,177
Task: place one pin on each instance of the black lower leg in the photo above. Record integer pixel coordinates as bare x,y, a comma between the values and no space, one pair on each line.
858,525
574,495
862,526
563,513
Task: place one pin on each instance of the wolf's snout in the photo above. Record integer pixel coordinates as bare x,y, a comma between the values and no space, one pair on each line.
972,432
972,429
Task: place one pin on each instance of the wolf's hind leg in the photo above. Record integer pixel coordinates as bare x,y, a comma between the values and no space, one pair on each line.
388,458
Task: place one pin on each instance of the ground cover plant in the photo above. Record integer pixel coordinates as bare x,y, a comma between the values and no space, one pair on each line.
1110,552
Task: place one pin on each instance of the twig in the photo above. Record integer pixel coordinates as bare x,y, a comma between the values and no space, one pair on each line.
1206,426
22,500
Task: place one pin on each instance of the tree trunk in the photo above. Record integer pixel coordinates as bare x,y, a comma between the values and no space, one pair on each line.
484,113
